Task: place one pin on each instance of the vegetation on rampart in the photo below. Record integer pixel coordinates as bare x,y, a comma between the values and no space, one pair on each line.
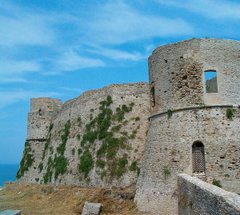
105,127
110,156
27,160
58,165
47,143
230,113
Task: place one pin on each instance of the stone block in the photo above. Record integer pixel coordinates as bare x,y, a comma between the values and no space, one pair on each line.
10,212
92,208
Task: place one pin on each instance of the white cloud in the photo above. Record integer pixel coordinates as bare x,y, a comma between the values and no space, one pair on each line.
209,8
20,27
116,54
108,23
13,70
14,96
117,23
13,66
71,61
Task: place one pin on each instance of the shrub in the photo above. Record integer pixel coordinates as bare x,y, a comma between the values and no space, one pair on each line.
137,118
109,101
86,163
100,163
40,167
216,183
79,121
166,172
120,169
78,137
60,165
50,127
133,166
90,137
169,113
79,151
116,128
48,175
27,160
47,143
230,113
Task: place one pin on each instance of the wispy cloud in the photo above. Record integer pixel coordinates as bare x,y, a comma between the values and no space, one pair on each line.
14,96
209,8
116,54
104,25
71,61
117,23
20,27
13,70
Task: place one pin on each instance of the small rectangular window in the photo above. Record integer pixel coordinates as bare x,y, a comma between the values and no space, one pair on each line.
210,77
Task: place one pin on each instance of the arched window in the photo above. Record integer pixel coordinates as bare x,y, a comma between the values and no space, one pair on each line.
198,158
210,78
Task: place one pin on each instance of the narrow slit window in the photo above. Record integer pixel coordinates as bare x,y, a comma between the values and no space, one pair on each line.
198,157
153,94
210,77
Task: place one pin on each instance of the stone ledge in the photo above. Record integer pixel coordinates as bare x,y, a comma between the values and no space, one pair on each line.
194,108
10,212
213,200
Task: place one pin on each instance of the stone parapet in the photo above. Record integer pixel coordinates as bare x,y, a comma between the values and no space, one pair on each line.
198,197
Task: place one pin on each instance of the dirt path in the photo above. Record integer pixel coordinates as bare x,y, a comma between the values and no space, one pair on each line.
64,200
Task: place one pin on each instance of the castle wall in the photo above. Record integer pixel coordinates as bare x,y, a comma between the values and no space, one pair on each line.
169,152
128,134
198,197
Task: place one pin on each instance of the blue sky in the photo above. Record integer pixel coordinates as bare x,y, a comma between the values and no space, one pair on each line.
61,48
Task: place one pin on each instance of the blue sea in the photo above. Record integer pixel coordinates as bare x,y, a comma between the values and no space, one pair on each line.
8,173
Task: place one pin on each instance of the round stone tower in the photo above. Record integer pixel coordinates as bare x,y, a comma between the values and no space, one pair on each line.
194,122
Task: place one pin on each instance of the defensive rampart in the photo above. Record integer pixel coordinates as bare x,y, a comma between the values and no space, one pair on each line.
96,139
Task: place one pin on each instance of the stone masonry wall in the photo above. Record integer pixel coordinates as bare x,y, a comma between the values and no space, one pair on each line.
197,197
96,139
40,116
177,70
169,152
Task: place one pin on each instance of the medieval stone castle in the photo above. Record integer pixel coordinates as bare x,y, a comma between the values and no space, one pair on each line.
186,120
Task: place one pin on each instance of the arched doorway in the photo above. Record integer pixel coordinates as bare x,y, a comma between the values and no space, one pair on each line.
198,157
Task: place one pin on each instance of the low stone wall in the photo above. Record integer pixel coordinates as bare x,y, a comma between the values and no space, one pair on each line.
198,197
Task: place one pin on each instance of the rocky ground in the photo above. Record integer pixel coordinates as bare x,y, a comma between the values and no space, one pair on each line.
65,200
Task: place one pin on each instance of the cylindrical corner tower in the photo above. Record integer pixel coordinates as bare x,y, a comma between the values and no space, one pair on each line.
195,120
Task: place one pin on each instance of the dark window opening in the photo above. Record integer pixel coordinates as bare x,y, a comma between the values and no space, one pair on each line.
41,111
210,78
153,94
198,157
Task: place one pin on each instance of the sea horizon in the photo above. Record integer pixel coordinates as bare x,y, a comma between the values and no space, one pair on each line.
8,173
